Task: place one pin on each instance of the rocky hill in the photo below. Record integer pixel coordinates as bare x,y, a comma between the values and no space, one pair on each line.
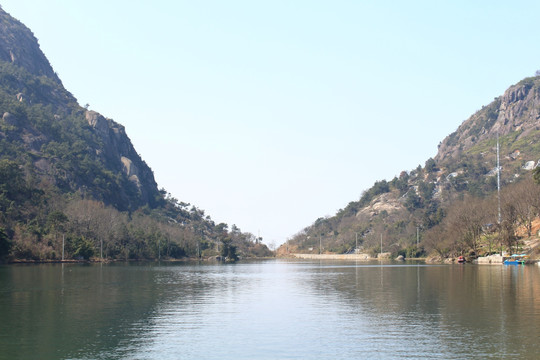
96,155
516,113
19,46
405,209
64,169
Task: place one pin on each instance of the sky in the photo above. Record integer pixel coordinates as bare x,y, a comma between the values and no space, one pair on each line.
271,114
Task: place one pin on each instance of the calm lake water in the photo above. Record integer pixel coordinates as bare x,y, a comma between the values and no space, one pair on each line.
269,310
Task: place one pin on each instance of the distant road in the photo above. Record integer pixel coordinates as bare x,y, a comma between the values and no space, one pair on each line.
334,256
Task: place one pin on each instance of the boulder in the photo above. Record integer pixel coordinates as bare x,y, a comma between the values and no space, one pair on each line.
10,119
529,165
98,122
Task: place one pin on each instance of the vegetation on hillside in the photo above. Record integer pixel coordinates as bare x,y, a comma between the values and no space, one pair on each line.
472,225
46,224
64,194
428,205
48,129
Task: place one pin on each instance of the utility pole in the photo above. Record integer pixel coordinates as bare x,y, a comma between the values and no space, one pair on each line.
417,237
320,244
356,248
381,246
199,241
63,246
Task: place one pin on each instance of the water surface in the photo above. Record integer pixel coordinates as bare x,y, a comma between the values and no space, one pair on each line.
269,310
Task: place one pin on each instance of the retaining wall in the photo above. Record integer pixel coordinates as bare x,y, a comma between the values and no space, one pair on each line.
333,256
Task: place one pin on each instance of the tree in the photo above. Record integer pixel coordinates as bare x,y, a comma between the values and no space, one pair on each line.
430,166
508,226
426,189
437,240
526,195
413,201
11,178
402,183
56,220
13,188
83,248
5,244
464,223
536,174
228,250
380,187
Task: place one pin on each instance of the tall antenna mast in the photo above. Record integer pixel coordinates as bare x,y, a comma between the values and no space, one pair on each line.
498,180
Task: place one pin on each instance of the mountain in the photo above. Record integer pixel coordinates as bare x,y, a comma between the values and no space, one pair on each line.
69,172
19,47
514,116
421,204
64,144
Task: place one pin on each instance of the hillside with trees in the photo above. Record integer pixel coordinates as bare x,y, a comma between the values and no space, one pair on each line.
450,206
72,186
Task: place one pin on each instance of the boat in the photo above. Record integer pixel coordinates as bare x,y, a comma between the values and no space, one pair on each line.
516,259
461,260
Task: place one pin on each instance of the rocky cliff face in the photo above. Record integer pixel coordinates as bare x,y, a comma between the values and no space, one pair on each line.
42,123
61,164
119,152
465,164
517,111
19,46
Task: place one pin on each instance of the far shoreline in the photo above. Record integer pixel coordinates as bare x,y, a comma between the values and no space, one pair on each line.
109,261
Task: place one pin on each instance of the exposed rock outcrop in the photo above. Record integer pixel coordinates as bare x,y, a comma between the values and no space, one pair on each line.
47,124
98,122
19,46
10,119
384,202
119,151
415,202
518,110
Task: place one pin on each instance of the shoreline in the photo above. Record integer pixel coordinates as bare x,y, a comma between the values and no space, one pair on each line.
491,260
107,261
299,256
356,257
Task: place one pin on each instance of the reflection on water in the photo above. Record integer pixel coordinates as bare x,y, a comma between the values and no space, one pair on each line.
442,311
269,310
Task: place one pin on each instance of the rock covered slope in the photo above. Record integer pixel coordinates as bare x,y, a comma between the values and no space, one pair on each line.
19,46
516,112
72,185
43,128
465,164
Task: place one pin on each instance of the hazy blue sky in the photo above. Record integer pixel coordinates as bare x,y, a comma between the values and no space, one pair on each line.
270,114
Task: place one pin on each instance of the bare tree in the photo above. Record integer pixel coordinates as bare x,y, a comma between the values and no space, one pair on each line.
526,196
465,220
437,240
509,220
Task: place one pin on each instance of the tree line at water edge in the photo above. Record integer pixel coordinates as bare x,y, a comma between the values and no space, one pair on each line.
43,224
